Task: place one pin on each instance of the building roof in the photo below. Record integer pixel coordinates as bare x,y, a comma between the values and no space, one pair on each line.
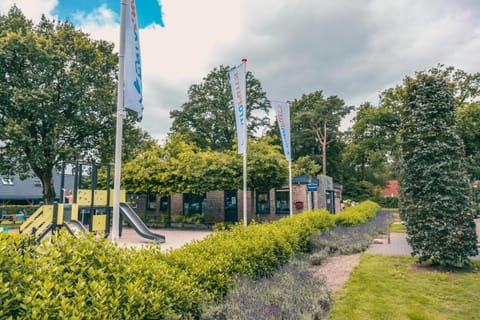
14,188
304,180
391,190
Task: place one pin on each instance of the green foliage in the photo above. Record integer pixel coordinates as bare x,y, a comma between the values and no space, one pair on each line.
57,95
359,190
315,124
182,167
267,167
254,251
305,166
92,278
207,118
360,213
387,202
434,187
88,278
469,130
374,143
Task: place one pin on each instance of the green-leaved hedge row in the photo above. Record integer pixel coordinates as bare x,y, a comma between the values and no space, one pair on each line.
91,278
358,214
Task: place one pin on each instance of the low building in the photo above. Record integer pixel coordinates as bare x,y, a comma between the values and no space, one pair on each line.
391,190
227,205
16,191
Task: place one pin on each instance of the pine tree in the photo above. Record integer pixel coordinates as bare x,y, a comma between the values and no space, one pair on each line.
434,187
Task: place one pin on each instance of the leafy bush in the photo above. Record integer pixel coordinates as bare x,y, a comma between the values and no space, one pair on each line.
387,202
358,214
351,239
434,185
92,278
88,278
255,251
291,293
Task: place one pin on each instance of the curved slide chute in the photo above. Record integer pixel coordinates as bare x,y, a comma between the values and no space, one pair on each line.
74,227
137,223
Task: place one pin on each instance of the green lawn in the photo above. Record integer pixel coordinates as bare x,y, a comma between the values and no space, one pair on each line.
395,287
398,228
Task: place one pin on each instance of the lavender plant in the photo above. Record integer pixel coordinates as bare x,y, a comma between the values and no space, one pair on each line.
349,239
290,293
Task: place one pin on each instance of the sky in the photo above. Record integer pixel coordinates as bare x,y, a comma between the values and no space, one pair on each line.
353,49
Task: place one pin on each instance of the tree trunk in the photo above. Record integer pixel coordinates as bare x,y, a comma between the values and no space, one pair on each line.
48,192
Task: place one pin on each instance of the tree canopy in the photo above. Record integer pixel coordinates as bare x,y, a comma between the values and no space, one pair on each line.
207,118
434,188
57,97
315,122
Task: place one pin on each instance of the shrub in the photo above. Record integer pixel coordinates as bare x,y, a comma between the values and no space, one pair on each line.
291,293
89,279
351,239
92,278
434,186
358,214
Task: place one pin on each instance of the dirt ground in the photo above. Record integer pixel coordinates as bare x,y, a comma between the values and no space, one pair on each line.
336,270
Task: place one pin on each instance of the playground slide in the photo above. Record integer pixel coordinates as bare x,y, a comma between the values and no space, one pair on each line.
137,223
74,227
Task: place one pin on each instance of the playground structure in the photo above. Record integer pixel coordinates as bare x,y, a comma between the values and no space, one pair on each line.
87,210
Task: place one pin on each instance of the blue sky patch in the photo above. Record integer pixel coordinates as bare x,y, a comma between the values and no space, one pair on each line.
149,11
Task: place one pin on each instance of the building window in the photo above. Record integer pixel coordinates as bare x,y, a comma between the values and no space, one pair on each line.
263,202
151,201
193,204
282,199
37,182
7,181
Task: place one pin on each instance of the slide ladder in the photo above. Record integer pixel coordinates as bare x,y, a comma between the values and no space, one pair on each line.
39,223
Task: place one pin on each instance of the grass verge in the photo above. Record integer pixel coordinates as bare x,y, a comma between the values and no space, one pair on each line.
398,228
395,287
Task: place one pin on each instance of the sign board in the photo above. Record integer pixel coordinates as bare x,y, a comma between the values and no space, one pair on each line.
311,187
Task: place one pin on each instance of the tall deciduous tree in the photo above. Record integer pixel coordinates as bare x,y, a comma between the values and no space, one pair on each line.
434,187
207,118
373,145
57,96
465,88
317,119
468,123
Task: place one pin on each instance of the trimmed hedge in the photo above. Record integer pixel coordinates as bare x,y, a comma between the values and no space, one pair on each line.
360,213
91,278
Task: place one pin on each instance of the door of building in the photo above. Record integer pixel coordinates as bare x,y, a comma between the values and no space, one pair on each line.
231,206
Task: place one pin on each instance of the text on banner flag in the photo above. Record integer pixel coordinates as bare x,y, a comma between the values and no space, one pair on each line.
237,82
133,99
282,111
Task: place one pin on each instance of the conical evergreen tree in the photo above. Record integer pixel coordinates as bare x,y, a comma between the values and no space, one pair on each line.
434,187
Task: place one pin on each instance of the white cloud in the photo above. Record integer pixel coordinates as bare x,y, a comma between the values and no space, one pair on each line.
31,9
353,49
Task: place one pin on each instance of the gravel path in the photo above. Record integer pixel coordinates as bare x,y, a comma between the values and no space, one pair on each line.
336,270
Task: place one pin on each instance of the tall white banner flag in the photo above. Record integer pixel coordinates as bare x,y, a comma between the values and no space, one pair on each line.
237,82
133,67
282,110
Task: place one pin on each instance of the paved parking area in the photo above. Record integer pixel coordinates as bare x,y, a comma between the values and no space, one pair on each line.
398,244
174,238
